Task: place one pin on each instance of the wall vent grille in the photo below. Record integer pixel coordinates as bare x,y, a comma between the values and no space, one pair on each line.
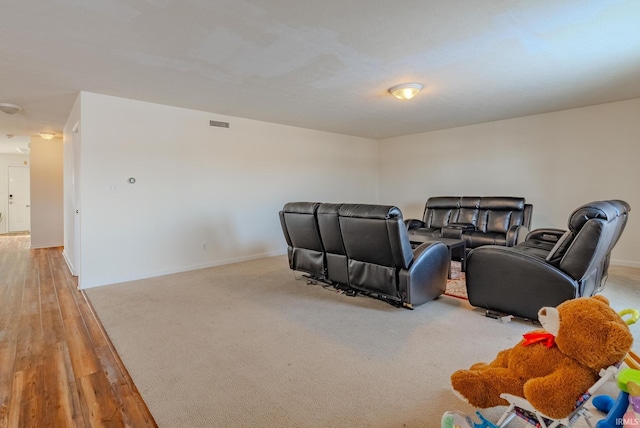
218,124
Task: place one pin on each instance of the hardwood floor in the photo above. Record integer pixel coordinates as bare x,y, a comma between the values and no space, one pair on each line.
57,366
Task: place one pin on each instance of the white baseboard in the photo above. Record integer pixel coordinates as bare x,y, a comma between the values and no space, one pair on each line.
117,280
626,263
35,247
127,278
69,263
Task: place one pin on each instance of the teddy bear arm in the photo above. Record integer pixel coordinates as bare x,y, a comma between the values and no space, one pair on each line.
556,394
501,361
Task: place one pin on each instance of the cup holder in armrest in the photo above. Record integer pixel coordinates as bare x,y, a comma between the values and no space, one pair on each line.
455,230
414,224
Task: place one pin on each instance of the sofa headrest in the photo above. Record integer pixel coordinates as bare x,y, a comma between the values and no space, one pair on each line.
443,202
328,208
369,211
594,210
502,203
470,202
496,203
300,207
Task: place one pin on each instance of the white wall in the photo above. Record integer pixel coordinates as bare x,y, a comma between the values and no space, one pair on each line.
557,161
46,193
223,188
7,160
197,184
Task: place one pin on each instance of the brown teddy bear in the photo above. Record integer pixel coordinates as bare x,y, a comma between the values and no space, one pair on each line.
551,368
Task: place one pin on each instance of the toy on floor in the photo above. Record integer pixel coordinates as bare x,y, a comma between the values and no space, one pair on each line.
632,416
551,368
632,360
457,419
618,411
520,407
625,410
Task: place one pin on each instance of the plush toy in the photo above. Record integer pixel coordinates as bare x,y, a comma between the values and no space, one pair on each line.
551,368
625,411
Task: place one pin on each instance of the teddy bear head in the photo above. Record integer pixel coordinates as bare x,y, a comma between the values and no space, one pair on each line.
588,330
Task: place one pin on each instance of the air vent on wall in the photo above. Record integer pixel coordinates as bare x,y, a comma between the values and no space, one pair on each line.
219,124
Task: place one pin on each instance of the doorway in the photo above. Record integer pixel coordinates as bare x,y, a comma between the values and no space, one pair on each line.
19,195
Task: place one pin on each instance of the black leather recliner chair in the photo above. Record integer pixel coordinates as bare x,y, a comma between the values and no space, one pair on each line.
336,255
550,266
304,246
381,260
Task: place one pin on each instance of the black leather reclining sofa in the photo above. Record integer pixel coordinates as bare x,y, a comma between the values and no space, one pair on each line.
478,220
363,248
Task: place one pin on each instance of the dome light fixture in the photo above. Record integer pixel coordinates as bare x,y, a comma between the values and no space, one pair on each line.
9,108
47,135
406,91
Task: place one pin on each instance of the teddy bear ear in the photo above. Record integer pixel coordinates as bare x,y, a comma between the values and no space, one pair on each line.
601,298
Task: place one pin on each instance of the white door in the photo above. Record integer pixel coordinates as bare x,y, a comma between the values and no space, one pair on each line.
19,215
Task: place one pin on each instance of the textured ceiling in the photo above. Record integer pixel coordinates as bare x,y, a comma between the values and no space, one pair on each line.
322,65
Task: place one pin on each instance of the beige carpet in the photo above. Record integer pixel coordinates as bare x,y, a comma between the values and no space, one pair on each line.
252,345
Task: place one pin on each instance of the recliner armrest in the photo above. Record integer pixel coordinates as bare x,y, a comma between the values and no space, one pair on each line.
426,277
413,223
546,234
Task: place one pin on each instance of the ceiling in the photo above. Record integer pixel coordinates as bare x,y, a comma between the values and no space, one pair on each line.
322,65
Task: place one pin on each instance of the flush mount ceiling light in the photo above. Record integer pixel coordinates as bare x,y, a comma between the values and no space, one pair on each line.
9,108
406,91
47,135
